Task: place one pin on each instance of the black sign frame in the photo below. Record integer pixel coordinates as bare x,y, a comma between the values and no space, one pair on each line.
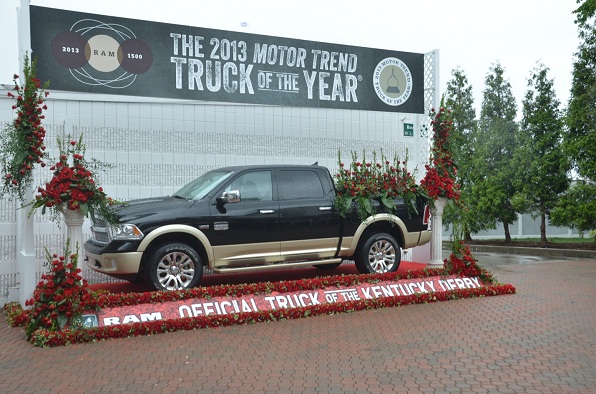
102,54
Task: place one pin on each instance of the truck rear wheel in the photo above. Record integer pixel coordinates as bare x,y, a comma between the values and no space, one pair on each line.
174,266
380,253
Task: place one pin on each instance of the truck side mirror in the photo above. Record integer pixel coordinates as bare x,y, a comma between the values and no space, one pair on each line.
232,196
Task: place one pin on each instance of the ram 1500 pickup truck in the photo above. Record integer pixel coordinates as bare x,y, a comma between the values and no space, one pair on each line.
245,218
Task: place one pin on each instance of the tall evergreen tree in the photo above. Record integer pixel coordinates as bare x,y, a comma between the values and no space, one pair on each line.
493,167
459,99
576,207
580,140
538,151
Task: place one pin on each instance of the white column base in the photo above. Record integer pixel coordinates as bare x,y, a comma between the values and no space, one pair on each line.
74,232
27,280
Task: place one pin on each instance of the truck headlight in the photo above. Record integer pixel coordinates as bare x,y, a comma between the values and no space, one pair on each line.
126,232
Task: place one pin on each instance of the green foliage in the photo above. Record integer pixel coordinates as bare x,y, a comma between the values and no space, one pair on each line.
458,97
539,152
585,11
492,169
580,139
577,208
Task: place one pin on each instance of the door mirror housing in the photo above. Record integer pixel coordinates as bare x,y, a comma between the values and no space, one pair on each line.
229,197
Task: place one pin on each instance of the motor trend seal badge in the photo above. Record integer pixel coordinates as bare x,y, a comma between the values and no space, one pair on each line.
99,53
392,81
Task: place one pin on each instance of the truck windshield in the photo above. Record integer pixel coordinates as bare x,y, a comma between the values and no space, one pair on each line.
199,188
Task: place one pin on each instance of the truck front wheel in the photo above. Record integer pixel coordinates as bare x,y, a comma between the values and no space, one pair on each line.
380,253
174,266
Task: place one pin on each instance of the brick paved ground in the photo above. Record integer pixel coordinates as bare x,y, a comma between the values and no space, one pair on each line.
541,340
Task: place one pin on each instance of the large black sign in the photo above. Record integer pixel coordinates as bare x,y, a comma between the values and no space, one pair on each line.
104,54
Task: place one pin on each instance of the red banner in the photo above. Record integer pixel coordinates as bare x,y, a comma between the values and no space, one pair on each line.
230,305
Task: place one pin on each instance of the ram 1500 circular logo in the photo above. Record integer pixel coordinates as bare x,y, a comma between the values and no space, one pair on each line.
98,53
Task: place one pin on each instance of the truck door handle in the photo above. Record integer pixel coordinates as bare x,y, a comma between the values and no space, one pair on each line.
266,211
324,208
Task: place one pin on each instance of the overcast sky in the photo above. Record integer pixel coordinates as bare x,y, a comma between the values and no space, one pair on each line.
470,34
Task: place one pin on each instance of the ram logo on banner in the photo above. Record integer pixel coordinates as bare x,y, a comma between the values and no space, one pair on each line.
105,54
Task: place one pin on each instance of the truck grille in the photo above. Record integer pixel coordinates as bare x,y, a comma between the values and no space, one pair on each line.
99,232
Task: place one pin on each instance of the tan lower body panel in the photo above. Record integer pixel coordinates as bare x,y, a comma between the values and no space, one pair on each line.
115,263
263,253
309,249
242,254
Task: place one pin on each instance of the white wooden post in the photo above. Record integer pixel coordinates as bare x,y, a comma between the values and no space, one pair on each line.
25,236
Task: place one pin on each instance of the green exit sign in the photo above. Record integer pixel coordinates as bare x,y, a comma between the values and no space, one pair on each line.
408,129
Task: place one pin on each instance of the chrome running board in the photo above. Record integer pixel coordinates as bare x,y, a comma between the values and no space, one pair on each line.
276,266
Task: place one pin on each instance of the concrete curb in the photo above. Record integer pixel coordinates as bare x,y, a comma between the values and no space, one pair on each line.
545,252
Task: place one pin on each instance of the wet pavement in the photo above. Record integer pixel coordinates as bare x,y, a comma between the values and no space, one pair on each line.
540,340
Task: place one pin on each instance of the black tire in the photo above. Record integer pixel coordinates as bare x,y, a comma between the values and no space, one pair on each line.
138,280
327,267
380,253
174,266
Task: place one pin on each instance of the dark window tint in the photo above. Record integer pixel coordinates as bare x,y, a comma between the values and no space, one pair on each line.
299,184
253,186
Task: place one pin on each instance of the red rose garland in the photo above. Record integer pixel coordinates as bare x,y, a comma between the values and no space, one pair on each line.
440,177
22,145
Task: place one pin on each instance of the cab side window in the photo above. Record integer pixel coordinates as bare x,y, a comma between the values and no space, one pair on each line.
299,184
253,186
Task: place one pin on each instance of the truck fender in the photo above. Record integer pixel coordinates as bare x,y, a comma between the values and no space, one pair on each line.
381,217
178,228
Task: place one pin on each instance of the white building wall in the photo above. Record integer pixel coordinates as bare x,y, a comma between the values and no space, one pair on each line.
156,147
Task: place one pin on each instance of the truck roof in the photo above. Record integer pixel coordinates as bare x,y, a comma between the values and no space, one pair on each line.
268,166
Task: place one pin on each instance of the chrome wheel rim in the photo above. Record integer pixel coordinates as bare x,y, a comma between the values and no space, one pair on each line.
381,256
175,271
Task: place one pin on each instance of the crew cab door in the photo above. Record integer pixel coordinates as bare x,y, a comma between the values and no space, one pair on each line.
308,227
246,232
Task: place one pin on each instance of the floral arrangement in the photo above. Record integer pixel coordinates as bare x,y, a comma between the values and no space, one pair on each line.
48,337
462,262
365,183
60,298
22,142
73,184
440,177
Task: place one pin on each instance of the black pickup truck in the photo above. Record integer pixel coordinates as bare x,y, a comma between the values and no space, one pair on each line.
248,218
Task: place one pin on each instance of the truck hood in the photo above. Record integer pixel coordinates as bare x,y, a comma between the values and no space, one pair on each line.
134,210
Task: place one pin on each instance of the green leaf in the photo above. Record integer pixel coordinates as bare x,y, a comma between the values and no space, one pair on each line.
389,203
84,209
62,320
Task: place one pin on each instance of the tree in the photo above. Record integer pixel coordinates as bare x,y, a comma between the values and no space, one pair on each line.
585,11
577,207
580,139
538,151
458,97
493,170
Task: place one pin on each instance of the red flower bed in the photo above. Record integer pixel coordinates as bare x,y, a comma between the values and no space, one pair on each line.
46,338
460,263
